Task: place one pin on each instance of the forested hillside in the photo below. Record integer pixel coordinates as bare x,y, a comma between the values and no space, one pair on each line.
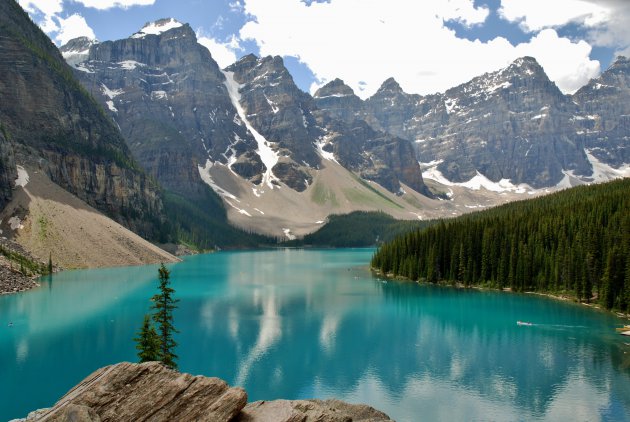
357,229
575,242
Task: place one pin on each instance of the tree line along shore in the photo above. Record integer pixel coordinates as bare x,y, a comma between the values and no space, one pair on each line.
572,243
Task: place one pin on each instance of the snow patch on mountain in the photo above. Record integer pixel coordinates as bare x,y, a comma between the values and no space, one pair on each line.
157,27
431,172
603,172
321,142
110,93
130,64
268,156
204,173
22,177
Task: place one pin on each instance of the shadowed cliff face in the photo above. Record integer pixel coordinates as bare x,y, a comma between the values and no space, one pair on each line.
54,122
512,124
8,170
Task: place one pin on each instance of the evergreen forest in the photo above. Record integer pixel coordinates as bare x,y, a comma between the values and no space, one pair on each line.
357,229
575,242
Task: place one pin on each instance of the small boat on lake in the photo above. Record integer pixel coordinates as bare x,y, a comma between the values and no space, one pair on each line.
525,323
624,328
625,333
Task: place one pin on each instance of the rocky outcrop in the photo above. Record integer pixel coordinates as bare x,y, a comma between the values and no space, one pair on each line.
55,124
309,411
152,392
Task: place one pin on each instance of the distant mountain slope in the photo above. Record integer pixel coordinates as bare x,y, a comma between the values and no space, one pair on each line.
513,125
52,122
575,242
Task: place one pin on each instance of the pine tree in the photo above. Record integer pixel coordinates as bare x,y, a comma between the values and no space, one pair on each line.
164,304
148,342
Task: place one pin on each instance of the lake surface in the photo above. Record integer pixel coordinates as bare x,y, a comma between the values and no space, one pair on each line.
316,324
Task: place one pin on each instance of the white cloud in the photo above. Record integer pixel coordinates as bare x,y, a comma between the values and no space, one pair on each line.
109,4
366,41
534,15
605,22
224,53
72,27
566,63
46,7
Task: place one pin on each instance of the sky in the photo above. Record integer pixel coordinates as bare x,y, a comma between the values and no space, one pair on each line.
428,46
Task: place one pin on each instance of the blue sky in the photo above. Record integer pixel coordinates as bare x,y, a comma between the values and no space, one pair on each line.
428,46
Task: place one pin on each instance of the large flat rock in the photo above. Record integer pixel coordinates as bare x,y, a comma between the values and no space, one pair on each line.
152,392
147,392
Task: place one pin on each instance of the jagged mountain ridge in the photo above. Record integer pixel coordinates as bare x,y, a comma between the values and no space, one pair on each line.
245,131
513,124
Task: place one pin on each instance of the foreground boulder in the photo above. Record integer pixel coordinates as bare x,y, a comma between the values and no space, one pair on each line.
152,392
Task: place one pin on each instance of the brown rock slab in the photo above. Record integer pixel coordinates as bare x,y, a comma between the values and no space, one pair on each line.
309,411
147,392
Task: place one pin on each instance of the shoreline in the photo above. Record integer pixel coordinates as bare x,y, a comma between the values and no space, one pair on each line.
459,285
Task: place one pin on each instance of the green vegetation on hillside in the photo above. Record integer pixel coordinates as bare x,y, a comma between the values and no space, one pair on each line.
26,265
357,229
204,223
575,242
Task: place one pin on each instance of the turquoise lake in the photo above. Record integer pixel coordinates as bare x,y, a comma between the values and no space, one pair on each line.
316,324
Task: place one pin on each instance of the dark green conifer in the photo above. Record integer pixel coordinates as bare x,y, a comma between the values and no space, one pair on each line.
164,304
148,342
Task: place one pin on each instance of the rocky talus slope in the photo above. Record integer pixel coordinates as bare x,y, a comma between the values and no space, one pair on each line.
152,392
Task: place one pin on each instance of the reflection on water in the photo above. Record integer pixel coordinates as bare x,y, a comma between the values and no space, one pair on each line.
299,324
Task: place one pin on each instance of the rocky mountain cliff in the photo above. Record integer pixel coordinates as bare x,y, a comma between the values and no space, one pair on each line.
603,124
56,125
8,169
512,124
244,129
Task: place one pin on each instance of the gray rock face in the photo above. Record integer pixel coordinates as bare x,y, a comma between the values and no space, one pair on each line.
280,112
168,97
54,123
177,110
152,392
512,124
373,155
339,101
8,172
77,50
603,124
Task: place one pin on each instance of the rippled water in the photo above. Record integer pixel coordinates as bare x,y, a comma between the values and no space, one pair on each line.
315,323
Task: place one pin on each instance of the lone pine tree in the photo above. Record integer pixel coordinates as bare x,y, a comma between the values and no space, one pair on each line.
158,344
164,304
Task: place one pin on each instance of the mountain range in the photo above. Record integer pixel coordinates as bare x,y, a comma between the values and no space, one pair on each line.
152,132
